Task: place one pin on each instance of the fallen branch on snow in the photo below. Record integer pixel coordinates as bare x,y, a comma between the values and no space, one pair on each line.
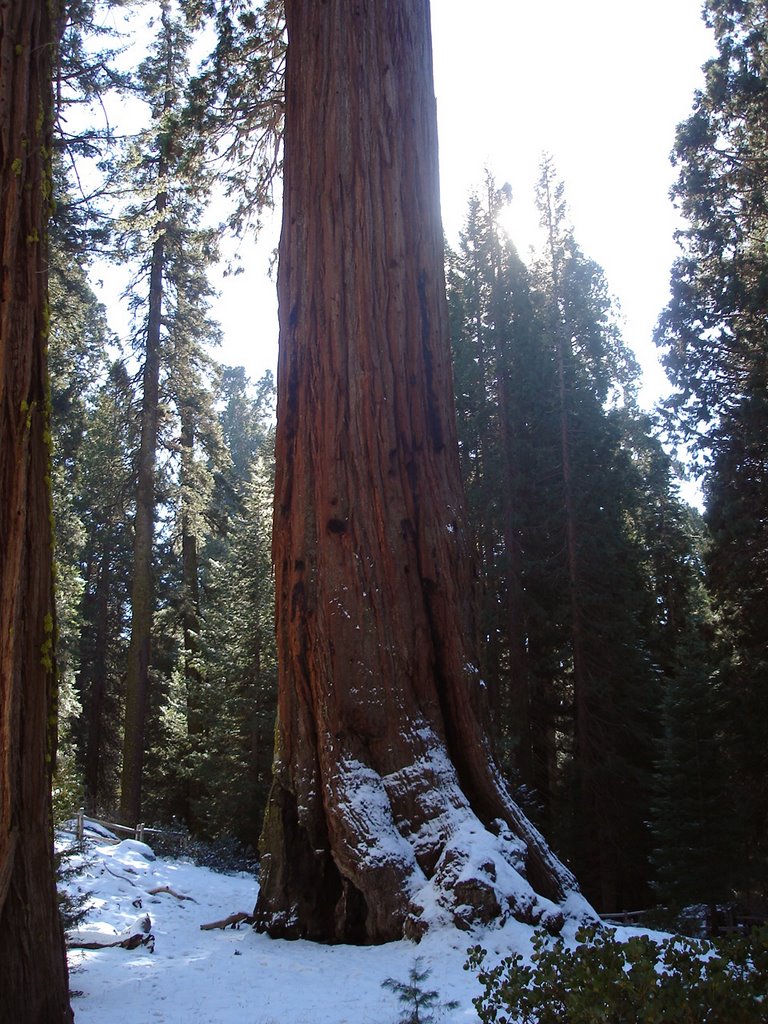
122,877
171,892
233,921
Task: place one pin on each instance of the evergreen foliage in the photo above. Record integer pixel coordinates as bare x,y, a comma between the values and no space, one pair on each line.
212,760
236,761
106,498
236,101
638,981
70,863
169,298
713,336
164,181
88,477
89,487
419,1003
552,452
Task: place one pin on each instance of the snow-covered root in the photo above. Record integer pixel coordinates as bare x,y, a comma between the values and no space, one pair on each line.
411,844
479,879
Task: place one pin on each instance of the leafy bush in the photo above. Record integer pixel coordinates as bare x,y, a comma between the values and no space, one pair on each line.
640,981
226,854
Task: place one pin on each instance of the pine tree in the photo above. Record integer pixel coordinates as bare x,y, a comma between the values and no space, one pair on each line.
239,697
170,300
419,1003
212,745
196,448
78,338
545,391
696,840
105,507
714,340
691,820
85,76
737,562
246,417
160,77
609,679
505,388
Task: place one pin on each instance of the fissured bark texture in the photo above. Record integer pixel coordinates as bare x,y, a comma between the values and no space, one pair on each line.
33,976
383,775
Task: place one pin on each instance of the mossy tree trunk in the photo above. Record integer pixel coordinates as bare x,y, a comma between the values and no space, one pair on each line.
33,973
386,811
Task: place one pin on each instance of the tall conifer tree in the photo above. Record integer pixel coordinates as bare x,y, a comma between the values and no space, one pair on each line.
713,333
547,425
506,388
170,300
609,677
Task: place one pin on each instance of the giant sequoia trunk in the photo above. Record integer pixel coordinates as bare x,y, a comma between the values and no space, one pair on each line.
33,975
386,811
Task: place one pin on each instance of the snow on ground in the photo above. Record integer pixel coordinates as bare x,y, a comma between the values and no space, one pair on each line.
238,976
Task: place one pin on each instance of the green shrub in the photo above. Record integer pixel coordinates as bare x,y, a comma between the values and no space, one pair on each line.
640,981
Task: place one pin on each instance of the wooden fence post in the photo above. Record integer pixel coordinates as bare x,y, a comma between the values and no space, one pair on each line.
80,826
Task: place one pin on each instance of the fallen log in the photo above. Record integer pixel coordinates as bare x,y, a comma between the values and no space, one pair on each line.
171,892
131,942
233,921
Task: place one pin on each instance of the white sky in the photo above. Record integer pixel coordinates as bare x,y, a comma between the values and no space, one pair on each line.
601,85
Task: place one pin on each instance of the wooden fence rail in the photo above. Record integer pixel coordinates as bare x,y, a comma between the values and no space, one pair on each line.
627,916
140,831
713,922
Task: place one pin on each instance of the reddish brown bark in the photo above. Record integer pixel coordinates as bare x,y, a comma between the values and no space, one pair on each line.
384,779
33,976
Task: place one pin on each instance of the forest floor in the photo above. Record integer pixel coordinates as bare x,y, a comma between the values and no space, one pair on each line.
236,976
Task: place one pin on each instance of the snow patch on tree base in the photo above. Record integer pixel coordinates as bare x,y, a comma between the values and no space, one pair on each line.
419,854
479,881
